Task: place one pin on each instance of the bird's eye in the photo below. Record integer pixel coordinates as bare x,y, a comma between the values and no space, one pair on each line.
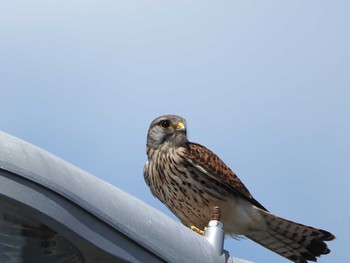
165,124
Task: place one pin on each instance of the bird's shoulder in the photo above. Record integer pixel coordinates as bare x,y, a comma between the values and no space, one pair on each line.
206,160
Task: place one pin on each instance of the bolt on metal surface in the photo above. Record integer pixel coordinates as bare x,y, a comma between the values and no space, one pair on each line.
215,213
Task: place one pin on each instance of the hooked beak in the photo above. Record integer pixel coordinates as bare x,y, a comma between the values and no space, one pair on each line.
180,127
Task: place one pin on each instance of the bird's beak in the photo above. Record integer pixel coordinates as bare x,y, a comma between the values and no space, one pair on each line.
180,126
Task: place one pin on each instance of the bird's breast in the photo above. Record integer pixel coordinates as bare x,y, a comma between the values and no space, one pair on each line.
186,191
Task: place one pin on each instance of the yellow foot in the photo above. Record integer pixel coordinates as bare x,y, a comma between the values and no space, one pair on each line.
197,230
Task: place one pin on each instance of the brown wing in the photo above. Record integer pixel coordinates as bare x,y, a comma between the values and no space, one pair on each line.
206,160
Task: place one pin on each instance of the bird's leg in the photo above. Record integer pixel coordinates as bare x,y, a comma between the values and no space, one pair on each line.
214,215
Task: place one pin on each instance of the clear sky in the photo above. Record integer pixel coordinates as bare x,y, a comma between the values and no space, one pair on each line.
264,84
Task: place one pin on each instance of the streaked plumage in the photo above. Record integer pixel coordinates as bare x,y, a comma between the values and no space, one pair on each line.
190,180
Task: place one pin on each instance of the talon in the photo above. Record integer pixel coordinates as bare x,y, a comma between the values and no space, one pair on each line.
198,231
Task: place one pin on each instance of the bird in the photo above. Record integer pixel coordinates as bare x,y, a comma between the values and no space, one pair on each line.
190,180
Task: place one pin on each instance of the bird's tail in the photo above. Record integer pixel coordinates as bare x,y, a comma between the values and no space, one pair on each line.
291,240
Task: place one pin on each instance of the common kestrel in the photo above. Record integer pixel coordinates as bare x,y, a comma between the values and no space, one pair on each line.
190,180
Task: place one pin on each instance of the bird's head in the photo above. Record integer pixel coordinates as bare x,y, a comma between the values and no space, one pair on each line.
169,129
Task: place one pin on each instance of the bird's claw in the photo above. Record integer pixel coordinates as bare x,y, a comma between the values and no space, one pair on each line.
198,231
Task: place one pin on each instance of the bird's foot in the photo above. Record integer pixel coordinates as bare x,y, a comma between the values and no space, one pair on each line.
215,215
198,231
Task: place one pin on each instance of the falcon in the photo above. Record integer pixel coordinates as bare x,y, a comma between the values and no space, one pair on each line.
190,180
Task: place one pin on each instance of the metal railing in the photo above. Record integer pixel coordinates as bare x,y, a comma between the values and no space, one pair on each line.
98,218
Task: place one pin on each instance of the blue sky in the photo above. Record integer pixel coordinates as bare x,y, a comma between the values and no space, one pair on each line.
264,84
